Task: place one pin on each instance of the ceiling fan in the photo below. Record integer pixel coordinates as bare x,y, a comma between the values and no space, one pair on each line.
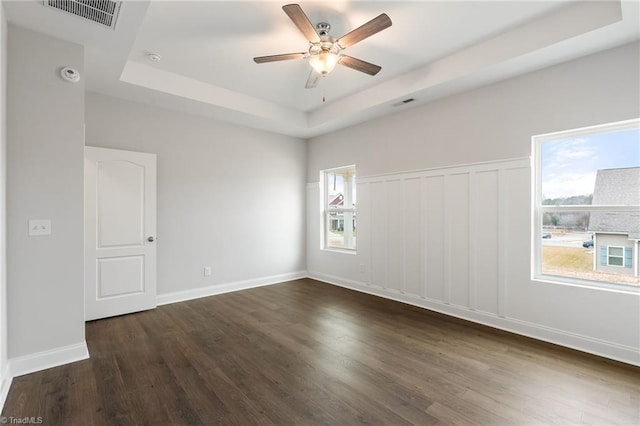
324,52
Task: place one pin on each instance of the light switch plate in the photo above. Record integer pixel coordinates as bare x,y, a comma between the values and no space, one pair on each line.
39,227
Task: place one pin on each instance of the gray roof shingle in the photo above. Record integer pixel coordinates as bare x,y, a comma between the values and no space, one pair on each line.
617,187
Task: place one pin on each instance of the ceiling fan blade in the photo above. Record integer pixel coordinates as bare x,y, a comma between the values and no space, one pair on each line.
359,65
297,15
274,58
313,80
372,27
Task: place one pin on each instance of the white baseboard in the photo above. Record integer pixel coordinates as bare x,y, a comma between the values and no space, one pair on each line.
582,343
47,359
196,293
5,384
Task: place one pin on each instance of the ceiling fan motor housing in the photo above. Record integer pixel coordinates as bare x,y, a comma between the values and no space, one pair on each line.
326,44
323,28
324,47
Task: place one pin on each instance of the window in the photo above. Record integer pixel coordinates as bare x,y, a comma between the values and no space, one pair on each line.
586,222
615,256
339,208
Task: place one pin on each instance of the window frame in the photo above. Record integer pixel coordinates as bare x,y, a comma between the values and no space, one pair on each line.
326,210
538,209
621,257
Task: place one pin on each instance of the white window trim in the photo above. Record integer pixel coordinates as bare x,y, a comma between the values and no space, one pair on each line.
609,255
326,210
538,209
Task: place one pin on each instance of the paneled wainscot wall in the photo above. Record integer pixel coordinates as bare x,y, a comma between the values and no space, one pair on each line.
455,240
441,235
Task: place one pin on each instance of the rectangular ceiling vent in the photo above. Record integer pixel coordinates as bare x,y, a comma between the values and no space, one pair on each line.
404,102
103,12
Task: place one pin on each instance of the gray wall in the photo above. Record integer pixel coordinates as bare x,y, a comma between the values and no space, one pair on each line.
3,188
229,197
484,264
491,123
45,145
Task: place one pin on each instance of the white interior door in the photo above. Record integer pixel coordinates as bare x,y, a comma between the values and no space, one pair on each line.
120,231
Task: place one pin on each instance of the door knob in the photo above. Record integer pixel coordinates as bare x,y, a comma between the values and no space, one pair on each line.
150,239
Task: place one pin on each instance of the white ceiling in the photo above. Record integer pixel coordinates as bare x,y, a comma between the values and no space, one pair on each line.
433,49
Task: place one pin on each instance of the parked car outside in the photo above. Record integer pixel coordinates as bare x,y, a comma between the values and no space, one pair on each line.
587,244
546,235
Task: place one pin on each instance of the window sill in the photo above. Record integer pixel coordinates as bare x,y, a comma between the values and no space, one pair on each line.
338,250
591,285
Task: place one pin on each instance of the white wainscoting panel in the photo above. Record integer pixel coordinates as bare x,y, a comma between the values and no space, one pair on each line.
413,247
484,241
437,234
456,210
378,231
394,196
433,237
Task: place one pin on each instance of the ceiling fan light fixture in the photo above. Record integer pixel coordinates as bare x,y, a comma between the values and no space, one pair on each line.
324,62
324,51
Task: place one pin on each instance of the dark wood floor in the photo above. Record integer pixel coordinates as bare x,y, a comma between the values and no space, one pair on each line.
304,352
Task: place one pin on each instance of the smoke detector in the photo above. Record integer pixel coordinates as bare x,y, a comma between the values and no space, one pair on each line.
154,57
69,74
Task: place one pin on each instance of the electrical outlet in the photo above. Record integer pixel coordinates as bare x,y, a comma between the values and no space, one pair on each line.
207,271
39,227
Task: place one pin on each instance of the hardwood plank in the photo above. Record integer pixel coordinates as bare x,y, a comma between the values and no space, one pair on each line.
305,352
83,402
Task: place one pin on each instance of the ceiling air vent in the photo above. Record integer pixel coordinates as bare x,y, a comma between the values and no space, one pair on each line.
404,102
103,12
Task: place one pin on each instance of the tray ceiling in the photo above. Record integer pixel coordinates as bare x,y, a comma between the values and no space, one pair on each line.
433,49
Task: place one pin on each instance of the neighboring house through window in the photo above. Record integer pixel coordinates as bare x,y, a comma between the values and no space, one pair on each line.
587,205
339,208
614,233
